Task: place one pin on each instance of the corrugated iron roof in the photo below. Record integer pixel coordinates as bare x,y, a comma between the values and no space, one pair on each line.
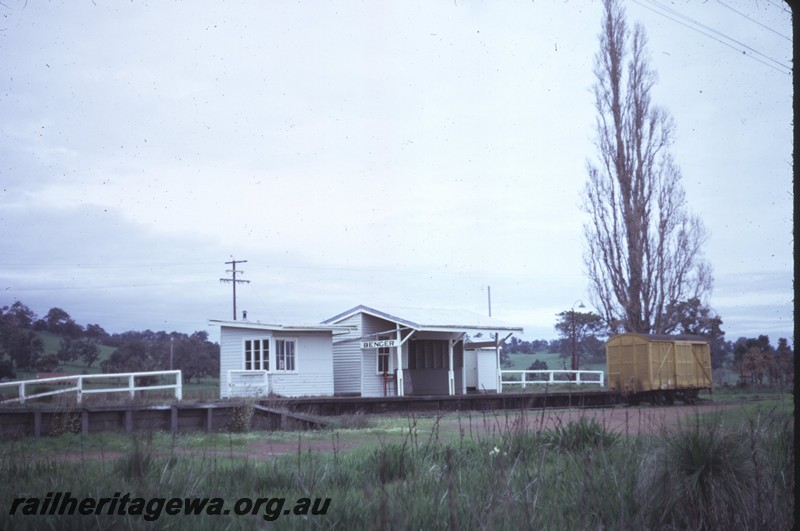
431,318
274,327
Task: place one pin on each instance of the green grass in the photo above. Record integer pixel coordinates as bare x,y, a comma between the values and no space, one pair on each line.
52,344
426,472
206,389
523,361
554,362
553,359
748,411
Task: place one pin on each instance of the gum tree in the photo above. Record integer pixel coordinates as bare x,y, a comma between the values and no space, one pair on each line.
643,246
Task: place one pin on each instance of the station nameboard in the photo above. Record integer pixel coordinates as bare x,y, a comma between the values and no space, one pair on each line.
386,343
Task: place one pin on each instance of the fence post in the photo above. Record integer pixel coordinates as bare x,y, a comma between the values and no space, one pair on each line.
577,377
37,423
78,396
173,419
131,386
22,392
178,386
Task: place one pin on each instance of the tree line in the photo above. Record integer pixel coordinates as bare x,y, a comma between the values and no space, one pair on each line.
755,359
21,347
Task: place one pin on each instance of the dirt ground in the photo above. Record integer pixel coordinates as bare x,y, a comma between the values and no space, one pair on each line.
623,420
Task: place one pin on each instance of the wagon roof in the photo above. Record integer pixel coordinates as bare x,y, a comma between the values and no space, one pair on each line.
665,337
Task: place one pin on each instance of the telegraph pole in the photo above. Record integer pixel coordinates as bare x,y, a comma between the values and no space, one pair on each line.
233,271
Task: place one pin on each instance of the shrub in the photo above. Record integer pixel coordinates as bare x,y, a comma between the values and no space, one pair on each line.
356,421
580,435
67,421
699,477
136,465
391,462
242,418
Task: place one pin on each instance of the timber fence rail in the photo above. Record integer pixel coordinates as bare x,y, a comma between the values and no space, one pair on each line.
79,382
534,377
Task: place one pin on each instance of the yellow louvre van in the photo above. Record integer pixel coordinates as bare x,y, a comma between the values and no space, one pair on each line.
658,368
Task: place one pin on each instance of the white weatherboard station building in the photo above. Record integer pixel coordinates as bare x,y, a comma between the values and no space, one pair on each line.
416,351
260,359
364,352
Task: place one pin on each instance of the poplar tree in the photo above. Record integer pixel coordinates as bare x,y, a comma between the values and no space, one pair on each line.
643,247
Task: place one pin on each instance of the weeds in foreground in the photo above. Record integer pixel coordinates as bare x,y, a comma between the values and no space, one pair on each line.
354,421
242,417
135,466
702,475
699,477
579,435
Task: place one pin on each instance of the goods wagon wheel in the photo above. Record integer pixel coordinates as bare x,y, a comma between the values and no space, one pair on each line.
655,398
669,397
689,396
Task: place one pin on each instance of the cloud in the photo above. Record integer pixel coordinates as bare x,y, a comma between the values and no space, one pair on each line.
404,154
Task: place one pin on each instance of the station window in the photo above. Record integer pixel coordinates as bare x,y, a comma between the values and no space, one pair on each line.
383,356
256,355
428,354
285,354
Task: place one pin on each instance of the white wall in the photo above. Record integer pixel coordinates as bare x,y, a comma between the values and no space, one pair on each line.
487,369
313,375
371,381
347,358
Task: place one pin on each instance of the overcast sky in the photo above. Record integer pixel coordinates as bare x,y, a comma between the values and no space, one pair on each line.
399,153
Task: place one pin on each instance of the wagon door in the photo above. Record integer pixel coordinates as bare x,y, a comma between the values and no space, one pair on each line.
701,354
684,365
662,365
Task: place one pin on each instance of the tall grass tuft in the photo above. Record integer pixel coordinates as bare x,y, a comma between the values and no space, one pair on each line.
582,434
698,477
355,421
391,462
140,460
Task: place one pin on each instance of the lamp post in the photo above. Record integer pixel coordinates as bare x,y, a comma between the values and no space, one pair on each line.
574,332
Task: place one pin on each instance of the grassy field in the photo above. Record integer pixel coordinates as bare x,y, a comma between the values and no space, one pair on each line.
206,389
553,359
52,344
728,470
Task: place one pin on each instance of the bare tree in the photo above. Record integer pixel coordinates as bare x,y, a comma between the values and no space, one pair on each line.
644,248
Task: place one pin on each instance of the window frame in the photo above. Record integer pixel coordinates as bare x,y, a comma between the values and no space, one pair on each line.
261,362
383,352
294,356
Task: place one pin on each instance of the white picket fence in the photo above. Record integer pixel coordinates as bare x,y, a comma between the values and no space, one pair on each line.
80,389
565,377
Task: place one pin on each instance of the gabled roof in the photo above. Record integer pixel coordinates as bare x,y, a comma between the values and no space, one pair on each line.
335,329
431,319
